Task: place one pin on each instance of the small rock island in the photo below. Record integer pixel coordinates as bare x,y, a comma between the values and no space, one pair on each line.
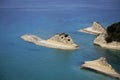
102,66
58,41
109,38
96,28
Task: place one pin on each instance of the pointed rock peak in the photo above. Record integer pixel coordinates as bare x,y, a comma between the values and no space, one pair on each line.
64,34
97,24
102,66
98,27
63,38
102,61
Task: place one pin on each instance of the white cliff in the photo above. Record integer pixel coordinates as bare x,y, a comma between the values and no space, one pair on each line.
100,40
102,66
59,41
96,28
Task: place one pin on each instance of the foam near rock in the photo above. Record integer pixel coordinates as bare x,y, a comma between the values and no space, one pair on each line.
102,66
58,41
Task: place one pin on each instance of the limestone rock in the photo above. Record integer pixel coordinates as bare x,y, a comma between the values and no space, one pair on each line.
102,66
63,38
96,28
101,41
59,41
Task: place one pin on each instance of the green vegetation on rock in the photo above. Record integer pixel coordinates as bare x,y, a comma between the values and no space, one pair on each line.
113,32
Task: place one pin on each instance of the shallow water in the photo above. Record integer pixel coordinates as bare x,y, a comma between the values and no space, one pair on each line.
20,60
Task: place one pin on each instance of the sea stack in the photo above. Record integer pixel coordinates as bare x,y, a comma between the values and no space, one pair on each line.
96,28
102,66
58,41
109,38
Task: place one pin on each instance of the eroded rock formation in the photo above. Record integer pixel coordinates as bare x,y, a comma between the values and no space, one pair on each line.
59,41
96,28
63,38
108,39
101,65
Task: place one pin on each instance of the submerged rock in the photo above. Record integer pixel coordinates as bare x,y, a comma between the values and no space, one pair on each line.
102,66
96,28
108,39
58,41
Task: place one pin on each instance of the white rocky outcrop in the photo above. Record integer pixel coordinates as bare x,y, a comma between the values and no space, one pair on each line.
96,28
102,66
100,40
59,41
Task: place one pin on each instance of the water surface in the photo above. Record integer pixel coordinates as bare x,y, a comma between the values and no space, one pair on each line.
20,60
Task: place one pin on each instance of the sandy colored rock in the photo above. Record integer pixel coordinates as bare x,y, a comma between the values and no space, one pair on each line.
96,28
100,40
109,38
102,66
58,41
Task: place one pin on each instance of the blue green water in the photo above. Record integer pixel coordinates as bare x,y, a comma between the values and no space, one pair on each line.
20,60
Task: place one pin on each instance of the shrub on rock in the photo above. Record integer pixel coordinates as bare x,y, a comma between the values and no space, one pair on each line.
113,32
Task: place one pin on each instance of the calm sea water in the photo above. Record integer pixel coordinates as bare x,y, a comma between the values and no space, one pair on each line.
20,60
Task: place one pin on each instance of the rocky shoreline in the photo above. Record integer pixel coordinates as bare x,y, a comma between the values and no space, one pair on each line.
104,35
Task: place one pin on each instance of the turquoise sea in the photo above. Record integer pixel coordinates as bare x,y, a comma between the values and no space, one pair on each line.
20,60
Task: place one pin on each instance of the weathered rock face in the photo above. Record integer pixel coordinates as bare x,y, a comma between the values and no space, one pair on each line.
100,39
96,28
104,40
103,62
59,41
101,65
63,38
